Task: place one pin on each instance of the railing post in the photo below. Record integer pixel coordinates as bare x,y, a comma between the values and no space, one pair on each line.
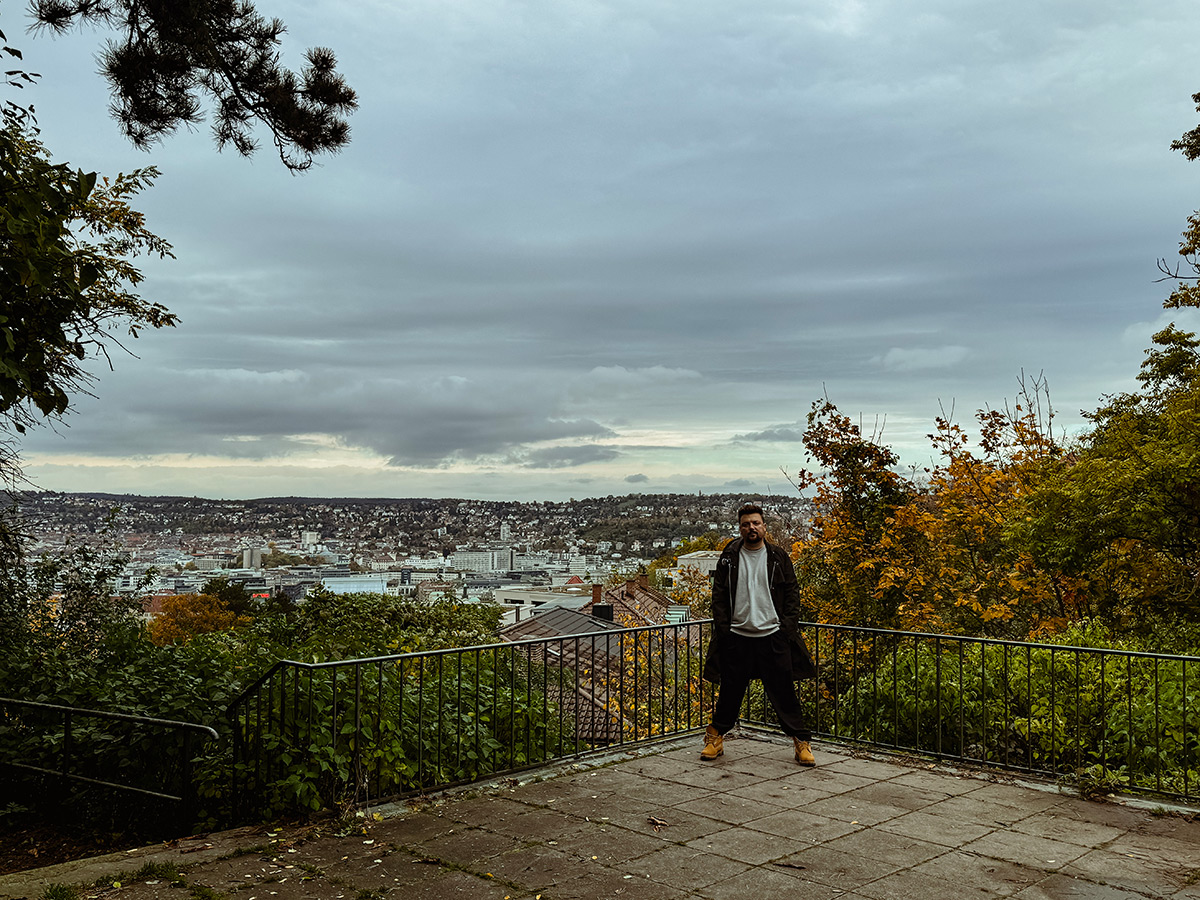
66,745
187,811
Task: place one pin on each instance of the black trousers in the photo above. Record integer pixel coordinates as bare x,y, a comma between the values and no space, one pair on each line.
767,658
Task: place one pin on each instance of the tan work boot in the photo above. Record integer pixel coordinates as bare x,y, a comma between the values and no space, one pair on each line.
714,744
804,754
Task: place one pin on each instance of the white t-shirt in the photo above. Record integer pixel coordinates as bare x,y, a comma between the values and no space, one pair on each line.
753,612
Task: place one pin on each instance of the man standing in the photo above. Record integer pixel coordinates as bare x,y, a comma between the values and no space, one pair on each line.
756,634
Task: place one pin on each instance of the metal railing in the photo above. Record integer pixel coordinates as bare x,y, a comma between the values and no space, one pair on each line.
317,733
63,744
1110,719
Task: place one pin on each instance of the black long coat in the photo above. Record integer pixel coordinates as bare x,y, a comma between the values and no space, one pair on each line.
785,594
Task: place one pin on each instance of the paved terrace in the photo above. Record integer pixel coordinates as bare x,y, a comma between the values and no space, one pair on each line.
660,824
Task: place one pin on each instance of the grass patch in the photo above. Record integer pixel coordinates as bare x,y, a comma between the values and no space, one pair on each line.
164,871
151,871
247,851
60,892
204,892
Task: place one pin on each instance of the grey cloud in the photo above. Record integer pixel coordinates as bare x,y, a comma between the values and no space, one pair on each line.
900,359
782,433
636,479
566,457
247,415
471,434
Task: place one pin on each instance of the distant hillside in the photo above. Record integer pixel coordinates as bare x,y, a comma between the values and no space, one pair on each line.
414,522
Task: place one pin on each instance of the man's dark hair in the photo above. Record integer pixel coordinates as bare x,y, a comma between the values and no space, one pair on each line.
749,509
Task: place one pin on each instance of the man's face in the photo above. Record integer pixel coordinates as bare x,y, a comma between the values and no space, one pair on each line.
752,529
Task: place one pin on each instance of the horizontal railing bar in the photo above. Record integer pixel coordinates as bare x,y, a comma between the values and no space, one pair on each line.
427,654
109,784
104,714
997,642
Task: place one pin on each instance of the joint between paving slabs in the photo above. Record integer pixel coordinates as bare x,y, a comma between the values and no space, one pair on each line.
420,856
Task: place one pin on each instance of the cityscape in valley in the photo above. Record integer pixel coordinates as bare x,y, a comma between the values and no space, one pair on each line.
468,547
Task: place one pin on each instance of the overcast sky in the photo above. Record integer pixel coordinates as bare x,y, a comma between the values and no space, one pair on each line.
582,248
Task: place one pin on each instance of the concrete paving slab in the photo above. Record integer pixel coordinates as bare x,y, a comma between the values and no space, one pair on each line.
411,829
1000,878
537,867
610,779
937,780
746,845
1016,796
1128,818
314,889
587,808
767,766
888,794
754,743
1025,849
770,882
715,777
387,872
827,779
938,829
860,812
845,871
668,823
606,843
968,809
486,810
1061,887
899,849
603,885
1149,878
1163,847
728,808
1191,891
874,769
1068,828
536,823
555,790
802,825
911,885
471,846
686,868
455,885
663,767
653,792
782,794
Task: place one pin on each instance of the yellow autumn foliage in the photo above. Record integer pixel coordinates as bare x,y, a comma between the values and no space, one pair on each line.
184,616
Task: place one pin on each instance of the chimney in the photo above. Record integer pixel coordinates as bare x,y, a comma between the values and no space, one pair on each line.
603,611
643,581
597,590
